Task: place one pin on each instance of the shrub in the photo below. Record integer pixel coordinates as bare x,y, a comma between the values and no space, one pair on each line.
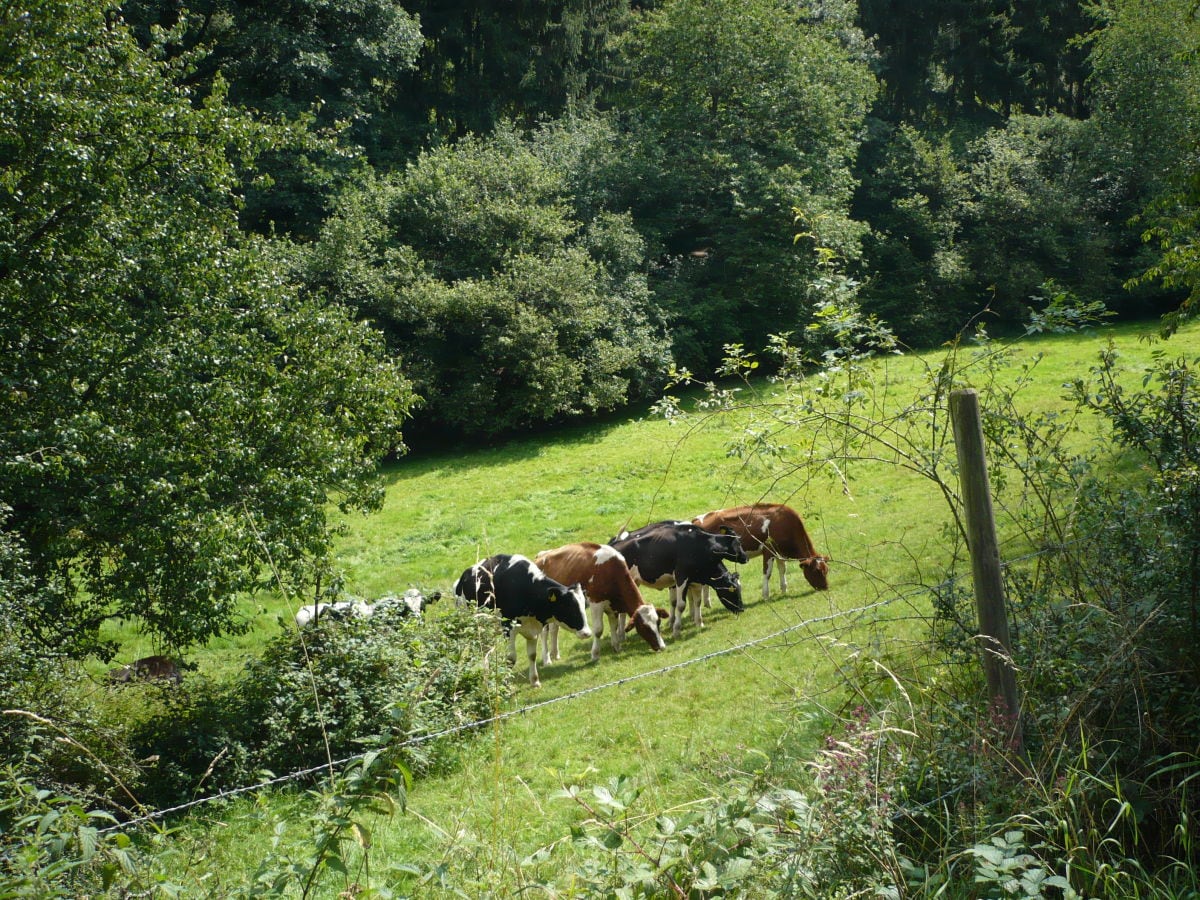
327,692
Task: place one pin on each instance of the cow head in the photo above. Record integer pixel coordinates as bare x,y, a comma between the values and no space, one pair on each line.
568,605
475,586
646,622
728,588
816,571
727,545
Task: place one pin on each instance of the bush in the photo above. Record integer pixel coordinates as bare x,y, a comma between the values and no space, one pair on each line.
327,692
1106,638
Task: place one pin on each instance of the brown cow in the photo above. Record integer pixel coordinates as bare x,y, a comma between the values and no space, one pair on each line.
148,668
610,590
776,532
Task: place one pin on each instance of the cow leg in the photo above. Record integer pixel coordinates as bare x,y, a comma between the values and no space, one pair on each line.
512,646
531,652
596,621
693,596
616,621
782,576
549,639
768,562
678,596
706,597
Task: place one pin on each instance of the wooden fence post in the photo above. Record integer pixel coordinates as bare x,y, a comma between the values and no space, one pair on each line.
985,559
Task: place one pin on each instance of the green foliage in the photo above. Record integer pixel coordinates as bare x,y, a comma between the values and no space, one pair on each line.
983,220
1146,90
340,839
1004,868
741,114
51,845
173,415
323,693
334,66
483,66
1032,216
915,195
762,836
948,57
1147,95
507,306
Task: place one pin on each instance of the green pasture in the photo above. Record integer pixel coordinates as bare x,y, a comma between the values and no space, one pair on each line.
681,733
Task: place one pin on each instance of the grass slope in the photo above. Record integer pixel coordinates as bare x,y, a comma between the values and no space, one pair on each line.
681,733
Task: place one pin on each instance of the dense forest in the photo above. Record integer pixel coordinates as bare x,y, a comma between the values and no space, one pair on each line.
250,250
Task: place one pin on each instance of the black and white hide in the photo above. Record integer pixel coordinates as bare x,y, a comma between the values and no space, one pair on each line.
526,599
682,557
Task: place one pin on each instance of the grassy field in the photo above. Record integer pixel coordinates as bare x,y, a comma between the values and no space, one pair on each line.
681,733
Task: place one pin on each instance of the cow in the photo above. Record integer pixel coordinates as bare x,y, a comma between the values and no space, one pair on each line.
775,532
610,590
682,556
411,603
526,599
148,668
342,609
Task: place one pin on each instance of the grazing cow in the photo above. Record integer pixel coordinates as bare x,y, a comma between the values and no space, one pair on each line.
148,668
680,556
411,602
526,599
610,590
776,532
342,609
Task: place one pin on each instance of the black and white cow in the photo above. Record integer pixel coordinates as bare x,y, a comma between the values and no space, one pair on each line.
681,556
526,599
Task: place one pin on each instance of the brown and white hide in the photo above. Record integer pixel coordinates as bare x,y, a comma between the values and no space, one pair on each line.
774,532
611,593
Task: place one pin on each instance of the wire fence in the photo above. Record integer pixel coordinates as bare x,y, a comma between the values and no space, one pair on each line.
415,740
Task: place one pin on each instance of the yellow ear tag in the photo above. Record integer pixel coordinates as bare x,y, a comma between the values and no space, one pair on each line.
552,596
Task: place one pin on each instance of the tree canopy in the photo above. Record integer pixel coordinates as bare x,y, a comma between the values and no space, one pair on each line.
175,417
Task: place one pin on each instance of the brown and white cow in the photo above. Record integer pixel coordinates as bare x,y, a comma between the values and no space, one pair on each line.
775,532
610,590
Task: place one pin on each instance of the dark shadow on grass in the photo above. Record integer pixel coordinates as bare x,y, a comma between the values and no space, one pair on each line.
464,454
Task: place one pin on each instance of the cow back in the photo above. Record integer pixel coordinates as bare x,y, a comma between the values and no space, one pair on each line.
518,589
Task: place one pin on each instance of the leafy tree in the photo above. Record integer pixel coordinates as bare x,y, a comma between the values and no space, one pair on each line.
1146,88
507,307
338,64
741,114
917,271
171,415
995,221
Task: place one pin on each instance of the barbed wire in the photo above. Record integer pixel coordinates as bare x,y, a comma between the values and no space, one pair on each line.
416,740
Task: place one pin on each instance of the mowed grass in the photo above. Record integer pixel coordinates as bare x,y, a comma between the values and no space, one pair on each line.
680,733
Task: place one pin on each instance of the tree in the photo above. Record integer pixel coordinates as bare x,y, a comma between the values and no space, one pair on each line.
338,64
508,306
939,59
523,61
1146,90
172,416
742,114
